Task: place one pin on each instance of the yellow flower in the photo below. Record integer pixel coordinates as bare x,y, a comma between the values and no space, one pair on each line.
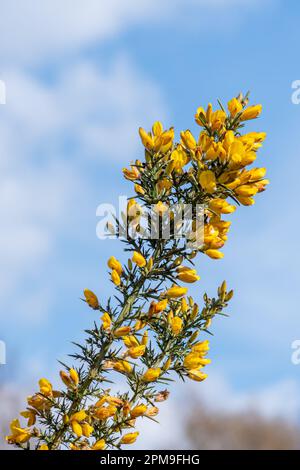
247,190
66,378
99,445
234,106
122,331
188,139
43,447
184,305
201,347
197,375
136,351
161,306
130,341
91,299
139,259
106,321
71,380
157,128
151,375
146,139
78,416
87,429
218,119
138,189
122,366
113,263
132,174
194,360
45,387
74,376
138,410
207,181
176,325
115,277
175,292
160,208
76,428
18,435
129,438
105,412
179,158
186,274
30,415
221,206
251,112
214,254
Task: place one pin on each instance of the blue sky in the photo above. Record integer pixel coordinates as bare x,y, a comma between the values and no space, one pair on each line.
79,83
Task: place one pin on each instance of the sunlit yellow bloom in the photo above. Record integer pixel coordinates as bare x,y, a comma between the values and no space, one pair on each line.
115,277
151,374
234,106
251,112
122,331
87,429
179,158
78,416
188,139
129,438
18,435
201,347
30,415
214,254
184,305
207,181
45,387
66,379
217,119
106,321
99,445
144,340
113,263
157,128
43,447
175,292
130,341
246,190
246,200
221,206
138,189
136,351
132,174
76,428
176,325
74,376
160,208
161,306
186,274
138,410
122,366
194,360
197,375
139,259
91,299
146,139
105,412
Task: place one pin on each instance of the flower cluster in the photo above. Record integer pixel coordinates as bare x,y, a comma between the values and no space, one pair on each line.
154,329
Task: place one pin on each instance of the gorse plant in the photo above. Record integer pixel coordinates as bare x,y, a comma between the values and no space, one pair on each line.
151,329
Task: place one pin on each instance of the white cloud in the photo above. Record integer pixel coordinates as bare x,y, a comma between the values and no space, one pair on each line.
50,29
42,178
